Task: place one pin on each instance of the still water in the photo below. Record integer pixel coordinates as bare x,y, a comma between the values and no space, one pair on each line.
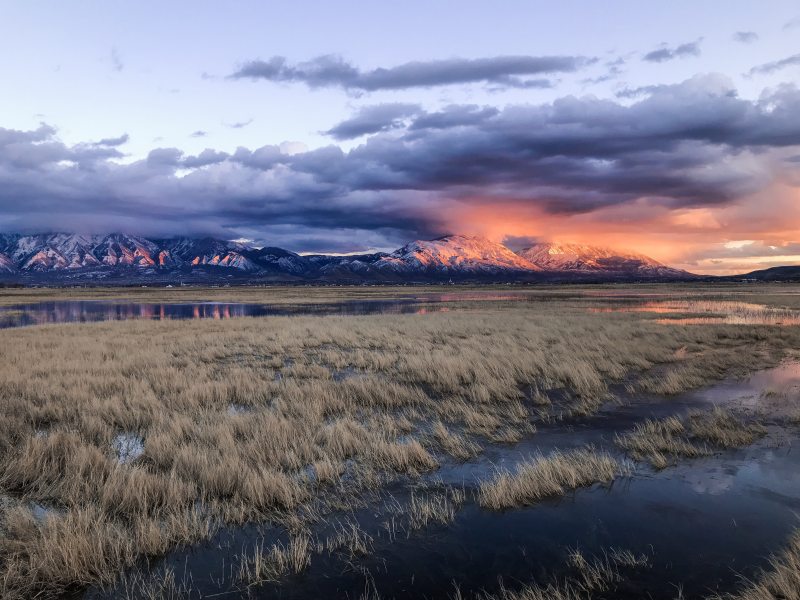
85,311
667,310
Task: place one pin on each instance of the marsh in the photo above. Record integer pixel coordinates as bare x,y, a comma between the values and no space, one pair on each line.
450,444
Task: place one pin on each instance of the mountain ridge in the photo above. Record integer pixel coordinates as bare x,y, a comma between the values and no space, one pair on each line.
80,257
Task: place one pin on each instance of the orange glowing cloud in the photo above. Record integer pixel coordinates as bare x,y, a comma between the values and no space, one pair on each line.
701,240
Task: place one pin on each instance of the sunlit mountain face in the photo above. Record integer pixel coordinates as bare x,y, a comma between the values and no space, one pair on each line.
80,257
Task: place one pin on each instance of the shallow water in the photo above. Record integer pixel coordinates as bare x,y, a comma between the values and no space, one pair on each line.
675,311
85,311
704,523
700,312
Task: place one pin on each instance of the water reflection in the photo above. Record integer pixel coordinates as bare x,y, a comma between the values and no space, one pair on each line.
700,312
82,311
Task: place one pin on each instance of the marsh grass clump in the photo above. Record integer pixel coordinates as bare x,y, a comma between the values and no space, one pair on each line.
780,581
544,476
662,442
589,578
160,585
426,508
722,428
349,537
453,443
273,563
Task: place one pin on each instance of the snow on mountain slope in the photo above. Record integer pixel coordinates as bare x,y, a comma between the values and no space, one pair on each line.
455,253
126,250
208,251
54,251
7,264
591,259
282,260
453,256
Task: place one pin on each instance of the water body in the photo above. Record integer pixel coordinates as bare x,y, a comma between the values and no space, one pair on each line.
675,311
704,523
86,311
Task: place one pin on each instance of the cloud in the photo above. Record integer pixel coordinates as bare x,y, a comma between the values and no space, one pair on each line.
115,141
116,60
198,134
679,156
745,37
372,119
777,65
520,242
792,24
239,124
457,115
334,71
666,53
205,158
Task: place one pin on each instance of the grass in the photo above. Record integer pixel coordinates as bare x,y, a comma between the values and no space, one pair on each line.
546,476
662,442
276,562
430,389
781,581
589,578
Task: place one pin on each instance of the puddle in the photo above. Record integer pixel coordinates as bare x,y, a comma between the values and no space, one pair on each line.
128,447
41,512
348,373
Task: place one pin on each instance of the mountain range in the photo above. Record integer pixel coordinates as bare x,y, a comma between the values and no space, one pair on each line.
122,258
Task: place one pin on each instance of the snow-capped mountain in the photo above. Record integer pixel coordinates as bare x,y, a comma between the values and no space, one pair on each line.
207,251
579,258
455,254
122,257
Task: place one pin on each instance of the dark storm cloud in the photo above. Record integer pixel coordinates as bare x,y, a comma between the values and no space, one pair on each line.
334,71
666,53
777,65
205,158
519,242
745,37
372,119
454,116
692,144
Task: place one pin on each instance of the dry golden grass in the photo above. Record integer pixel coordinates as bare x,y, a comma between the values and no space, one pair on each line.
546,476
242,420
590,578
274,563
662,442
781,581
349,537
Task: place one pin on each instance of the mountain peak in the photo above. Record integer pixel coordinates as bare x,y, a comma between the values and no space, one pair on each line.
582,258
456,253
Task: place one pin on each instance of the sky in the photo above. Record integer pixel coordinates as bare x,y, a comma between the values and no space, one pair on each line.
672,129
